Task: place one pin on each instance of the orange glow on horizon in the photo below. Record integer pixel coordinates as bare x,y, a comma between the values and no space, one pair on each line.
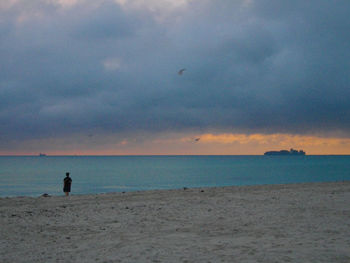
282,139
312,144
182,144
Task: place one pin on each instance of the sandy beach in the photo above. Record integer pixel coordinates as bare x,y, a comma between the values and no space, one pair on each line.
274,223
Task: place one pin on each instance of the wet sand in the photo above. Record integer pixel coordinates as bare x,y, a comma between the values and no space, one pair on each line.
270,223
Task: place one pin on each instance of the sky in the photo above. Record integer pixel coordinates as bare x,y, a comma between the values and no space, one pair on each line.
101,76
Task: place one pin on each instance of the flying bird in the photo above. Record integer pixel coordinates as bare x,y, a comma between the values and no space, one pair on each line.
197,139
181,71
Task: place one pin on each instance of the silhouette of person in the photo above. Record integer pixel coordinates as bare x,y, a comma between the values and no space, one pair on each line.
67,182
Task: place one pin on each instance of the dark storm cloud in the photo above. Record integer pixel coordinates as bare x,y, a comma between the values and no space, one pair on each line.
106,22
253,66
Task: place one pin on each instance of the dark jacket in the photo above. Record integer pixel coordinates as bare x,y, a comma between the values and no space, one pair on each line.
67,182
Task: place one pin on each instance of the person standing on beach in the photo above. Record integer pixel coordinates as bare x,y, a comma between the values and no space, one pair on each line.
67,182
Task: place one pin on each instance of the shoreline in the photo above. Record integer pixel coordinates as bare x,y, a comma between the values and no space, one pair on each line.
175,189
303,222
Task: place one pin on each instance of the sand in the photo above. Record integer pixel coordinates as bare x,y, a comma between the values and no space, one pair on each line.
276,223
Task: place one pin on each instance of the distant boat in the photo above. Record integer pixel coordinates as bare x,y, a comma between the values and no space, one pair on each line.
42,154
286,152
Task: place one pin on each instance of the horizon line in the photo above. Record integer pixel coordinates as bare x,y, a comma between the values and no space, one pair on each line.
145,155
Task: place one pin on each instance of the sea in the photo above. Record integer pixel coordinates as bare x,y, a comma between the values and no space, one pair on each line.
34,175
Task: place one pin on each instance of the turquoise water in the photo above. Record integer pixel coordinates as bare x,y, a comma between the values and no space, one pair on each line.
33,176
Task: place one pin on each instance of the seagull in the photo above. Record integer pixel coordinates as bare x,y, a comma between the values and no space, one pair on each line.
181,71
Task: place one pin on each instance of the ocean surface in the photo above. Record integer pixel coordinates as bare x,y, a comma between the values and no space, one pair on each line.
33,176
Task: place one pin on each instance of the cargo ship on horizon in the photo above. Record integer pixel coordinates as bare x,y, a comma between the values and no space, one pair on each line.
285,152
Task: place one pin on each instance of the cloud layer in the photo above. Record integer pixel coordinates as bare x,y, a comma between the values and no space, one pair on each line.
83,66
